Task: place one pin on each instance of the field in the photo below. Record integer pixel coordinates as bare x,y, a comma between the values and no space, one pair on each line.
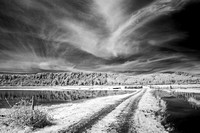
83,110
100,109
53,95
183,107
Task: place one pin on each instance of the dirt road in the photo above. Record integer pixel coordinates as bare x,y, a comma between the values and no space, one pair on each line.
113,118
106,114
127,113
110,114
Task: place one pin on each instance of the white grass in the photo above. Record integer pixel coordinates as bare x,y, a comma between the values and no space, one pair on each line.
192,100
68,114
145,120
104,125
192,90
65,115
177,86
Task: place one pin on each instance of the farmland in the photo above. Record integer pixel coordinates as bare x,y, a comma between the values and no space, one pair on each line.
113,113
53,96
93,107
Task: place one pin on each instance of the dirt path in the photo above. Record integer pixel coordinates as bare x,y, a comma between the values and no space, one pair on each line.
122,118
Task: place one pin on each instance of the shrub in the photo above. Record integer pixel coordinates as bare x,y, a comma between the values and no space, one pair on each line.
22,102
25,117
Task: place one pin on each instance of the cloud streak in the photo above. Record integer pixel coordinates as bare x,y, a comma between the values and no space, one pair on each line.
91,35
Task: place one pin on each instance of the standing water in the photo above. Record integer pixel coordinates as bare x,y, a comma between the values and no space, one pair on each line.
182,116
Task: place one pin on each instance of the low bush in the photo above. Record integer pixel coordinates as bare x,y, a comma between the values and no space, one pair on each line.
26,117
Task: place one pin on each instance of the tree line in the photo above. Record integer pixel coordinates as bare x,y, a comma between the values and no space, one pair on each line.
80,78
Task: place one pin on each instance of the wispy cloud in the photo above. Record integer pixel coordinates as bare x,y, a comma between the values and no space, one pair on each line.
97,35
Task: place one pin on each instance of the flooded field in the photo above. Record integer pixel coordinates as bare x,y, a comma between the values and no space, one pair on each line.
182,115
140,110
11,97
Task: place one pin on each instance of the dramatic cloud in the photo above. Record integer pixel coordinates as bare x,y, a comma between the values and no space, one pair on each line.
139,36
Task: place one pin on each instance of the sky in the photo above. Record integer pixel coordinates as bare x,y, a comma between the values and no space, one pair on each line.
120,36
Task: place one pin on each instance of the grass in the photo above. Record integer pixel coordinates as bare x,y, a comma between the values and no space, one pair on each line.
25,117
192,98
22,116
162,112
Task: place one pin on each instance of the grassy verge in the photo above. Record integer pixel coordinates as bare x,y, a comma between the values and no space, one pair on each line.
24,118
149,116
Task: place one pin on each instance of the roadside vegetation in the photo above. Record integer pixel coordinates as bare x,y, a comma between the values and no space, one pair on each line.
23,116
189,95
192,98
66,115
150,115
182,109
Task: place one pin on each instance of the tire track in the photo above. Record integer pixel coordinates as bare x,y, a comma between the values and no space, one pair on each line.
85,124
123,122
126,117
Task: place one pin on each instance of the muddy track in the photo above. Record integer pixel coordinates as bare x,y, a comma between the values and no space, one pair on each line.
125,118
85,124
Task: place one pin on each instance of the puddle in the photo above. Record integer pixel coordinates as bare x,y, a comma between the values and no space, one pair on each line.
182,116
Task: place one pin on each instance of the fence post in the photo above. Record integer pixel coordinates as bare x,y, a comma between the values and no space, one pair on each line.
33,103
8,102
